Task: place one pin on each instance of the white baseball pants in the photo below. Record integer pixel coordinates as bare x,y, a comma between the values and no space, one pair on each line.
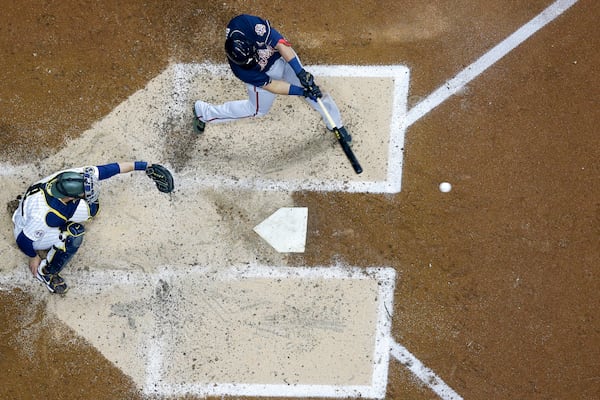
259,101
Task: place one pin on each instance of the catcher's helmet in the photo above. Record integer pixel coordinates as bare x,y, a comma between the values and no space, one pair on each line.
68,184
75,184
241,51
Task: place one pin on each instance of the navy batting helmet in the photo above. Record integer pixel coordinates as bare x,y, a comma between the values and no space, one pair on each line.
241,51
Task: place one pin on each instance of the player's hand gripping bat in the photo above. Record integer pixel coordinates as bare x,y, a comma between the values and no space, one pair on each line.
345,146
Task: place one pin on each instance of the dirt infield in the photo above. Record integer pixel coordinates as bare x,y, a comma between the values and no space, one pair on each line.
497,282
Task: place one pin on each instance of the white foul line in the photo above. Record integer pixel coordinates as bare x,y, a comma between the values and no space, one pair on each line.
488,59
426,375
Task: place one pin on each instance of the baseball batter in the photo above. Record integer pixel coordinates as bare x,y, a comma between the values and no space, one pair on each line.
266,62
51,212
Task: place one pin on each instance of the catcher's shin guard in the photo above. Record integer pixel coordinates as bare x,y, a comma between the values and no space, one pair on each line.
59,256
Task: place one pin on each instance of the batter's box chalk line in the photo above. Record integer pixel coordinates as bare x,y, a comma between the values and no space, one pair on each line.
385,277
182,78
99,281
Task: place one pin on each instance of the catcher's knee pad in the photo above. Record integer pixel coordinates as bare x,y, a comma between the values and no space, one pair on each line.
72,236
59,256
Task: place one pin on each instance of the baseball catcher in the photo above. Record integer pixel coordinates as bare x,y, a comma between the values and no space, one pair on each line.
268,65
51,212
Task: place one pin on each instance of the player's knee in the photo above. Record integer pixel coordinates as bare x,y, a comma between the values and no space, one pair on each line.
71,238
72,235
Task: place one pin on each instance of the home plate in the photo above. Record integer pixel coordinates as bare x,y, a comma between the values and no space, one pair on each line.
285,229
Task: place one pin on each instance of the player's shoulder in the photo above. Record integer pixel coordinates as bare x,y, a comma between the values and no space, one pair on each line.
246,19
250,25
38,204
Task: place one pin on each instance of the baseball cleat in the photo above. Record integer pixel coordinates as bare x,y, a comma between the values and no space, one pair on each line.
54,282
199,125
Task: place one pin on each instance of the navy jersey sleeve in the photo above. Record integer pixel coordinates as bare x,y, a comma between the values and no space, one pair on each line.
108,170
26,245
274,37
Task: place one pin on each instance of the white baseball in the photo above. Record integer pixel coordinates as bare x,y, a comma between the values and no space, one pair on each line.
445,187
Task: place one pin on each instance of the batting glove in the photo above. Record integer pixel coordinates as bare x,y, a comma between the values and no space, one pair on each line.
312,93
306,78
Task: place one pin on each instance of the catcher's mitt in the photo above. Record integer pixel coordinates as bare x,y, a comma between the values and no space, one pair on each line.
162,177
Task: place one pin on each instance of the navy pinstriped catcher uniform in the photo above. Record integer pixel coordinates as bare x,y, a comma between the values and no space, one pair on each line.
50,216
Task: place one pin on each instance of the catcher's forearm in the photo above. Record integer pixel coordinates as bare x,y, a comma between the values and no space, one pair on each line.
158,173
129,166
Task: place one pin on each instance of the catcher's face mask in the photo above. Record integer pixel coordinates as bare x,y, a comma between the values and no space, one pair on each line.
90,185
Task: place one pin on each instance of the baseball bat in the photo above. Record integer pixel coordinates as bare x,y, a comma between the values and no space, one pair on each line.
345,146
